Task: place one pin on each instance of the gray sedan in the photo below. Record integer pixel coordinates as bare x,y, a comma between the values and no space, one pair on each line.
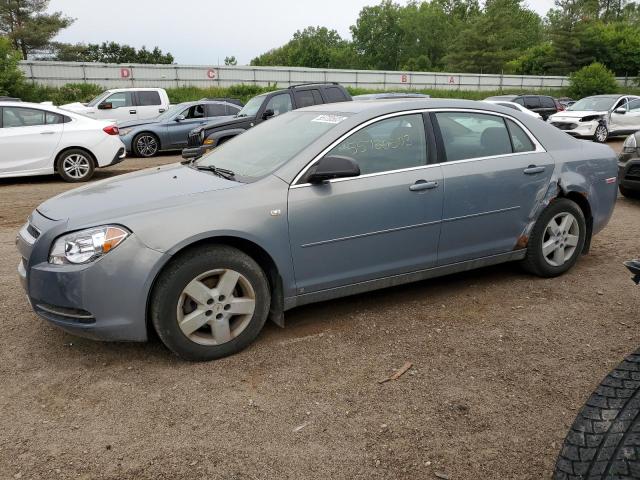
316,204
170,131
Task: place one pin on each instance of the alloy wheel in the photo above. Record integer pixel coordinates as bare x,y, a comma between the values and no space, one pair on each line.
76,165
216,307
560,239
601,133
147,145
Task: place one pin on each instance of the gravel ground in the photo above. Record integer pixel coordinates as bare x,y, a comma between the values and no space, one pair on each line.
502,361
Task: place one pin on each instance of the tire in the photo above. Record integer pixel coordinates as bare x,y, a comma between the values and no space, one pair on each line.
601,134
145,145
205,329
75,165
543,257
604,440
627,192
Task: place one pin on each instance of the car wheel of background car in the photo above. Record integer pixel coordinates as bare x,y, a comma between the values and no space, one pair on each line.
146,145
75,166
601,134
210,302
556,240
628,192
603,440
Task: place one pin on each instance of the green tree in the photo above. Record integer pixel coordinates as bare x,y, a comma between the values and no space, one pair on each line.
11,79
595,79
28,26
230,61
377,36
109,53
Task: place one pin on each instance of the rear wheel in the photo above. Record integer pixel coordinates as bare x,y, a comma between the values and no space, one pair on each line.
601,134
146,145
210,302
75,165
557,239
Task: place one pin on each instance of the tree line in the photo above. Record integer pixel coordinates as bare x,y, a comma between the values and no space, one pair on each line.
465,36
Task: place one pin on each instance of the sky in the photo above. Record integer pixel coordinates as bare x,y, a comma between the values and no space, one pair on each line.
204,32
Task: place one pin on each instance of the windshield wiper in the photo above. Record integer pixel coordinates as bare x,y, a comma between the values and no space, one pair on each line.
221,172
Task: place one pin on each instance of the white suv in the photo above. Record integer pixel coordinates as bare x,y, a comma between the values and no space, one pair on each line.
124,104
37,139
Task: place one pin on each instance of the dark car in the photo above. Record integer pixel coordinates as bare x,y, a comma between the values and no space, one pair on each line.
629,167
261,108
544,105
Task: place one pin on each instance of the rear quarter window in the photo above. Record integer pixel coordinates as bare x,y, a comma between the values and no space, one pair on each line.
547,102
335,94
148,98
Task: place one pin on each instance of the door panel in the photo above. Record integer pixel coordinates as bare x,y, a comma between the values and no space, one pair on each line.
179,131
629,121
149,104
488,201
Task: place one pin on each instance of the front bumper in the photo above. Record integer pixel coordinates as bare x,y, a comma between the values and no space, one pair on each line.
103,300
576,128
629,172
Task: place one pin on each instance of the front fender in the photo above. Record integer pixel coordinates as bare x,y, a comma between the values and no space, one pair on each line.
215,136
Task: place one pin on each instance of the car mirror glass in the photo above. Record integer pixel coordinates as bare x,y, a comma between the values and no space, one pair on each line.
268,114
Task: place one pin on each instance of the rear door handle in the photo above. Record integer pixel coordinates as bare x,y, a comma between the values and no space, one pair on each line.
532,169
47,133
421,185
133,112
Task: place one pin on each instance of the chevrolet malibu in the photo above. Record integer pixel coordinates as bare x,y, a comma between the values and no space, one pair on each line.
316,204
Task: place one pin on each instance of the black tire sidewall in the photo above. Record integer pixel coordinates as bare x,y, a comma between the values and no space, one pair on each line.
535,260
184,269
65,176
135,144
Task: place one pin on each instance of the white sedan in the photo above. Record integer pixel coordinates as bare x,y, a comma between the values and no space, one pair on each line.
38,139
514,106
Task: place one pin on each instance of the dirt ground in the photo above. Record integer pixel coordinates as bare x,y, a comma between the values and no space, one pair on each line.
502,361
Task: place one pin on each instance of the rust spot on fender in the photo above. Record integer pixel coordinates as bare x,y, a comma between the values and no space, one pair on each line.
523,241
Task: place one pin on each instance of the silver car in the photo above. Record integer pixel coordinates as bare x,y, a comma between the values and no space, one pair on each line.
316,204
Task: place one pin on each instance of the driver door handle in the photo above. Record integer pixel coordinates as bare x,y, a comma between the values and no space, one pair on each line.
133,112
421,185
532,169
47,133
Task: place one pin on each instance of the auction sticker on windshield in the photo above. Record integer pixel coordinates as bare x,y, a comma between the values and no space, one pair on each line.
329,119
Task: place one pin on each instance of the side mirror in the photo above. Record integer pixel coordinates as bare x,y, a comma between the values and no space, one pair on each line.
333,167
268,114
620,111
179,118
105,106
191,153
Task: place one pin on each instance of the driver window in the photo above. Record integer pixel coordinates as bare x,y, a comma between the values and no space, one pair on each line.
391,144
279,104
622,103
120,99
195,111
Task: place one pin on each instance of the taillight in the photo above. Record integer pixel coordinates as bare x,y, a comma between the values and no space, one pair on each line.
111,130
561,107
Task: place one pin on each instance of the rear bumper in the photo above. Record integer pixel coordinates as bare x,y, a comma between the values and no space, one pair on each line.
118,158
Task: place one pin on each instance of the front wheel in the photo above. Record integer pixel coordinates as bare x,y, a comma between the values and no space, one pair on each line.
601,134
603,441
75,165
557,239
210,302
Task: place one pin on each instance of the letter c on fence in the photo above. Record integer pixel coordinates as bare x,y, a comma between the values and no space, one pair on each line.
125,73
211,74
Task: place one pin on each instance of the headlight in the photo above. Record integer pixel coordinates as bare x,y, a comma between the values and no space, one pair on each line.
630,144
86,245
591,118
125,131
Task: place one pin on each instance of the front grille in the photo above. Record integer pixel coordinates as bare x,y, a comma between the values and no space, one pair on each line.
634,172
195,139
565,126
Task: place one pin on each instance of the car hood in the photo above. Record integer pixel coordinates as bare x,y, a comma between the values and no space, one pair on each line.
572,115
132,193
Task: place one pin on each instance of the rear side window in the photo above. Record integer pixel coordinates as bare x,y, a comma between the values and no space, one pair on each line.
532,102
148,98
334,94
547,102
391,144
216,110
304,98
21,117
520,140
473,135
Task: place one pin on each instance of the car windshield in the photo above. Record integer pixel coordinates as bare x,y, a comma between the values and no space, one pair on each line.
252,107
264,148
97,99
598,104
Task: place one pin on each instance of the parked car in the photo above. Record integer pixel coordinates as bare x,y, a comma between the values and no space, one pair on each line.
261,108
515,106
541,104
600,117
390,96
320,203
565,101
122,104
602,443
170,130
37,139
629,167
